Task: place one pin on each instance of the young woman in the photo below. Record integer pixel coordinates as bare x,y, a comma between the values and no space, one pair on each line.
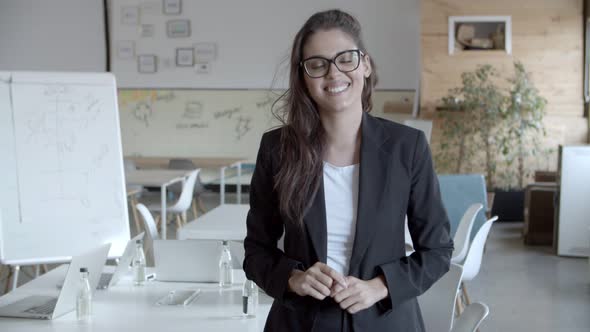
338,184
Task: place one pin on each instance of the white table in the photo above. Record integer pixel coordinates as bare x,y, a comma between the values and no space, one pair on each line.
156,178
125,307
225,222
228,222
200,162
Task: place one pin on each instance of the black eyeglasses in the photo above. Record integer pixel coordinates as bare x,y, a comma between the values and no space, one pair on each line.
345,61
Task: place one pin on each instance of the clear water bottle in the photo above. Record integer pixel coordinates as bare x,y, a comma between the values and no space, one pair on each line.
139,265
84,298
226,277
249,298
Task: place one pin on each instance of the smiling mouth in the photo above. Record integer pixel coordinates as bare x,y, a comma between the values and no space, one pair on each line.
335,90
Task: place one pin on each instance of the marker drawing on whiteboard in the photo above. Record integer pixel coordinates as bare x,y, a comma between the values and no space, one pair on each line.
143,112
242,127
228,113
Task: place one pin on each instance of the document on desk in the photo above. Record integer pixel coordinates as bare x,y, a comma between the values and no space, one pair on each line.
181,297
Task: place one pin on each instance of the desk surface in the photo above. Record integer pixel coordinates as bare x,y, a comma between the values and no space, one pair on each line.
162,162
125,307
225,222
154,177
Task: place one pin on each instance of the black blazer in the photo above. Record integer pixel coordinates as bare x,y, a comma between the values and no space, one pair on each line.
396,178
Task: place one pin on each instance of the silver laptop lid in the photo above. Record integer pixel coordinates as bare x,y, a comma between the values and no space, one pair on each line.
125,260
187,260
94,261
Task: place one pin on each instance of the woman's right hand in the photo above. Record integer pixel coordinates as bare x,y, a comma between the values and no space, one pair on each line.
316,282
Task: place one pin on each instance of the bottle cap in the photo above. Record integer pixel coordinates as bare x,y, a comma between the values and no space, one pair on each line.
83,269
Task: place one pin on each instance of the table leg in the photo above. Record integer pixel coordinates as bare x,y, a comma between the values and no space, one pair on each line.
15,272
163,206
238,184
222,185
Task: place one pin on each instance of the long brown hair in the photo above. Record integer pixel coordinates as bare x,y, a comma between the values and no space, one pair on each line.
302,136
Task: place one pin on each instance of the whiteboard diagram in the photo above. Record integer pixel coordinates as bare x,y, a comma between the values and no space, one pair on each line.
66,156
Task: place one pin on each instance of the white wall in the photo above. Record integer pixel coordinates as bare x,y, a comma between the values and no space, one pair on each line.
55,35
254,38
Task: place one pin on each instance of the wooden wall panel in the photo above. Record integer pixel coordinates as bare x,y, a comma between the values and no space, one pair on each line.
547,37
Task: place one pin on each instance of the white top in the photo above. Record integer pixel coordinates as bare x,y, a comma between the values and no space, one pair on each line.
341,187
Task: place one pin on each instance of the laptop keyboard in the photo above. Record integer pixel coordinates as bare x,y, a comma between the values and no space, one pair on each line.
43,309
105,279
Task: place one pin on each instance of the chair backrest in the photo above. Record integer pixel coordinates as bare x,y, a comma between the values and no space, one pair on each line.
471,318
458,192
463,233
184,164
129,164
475,255
186,195
148,221
438,303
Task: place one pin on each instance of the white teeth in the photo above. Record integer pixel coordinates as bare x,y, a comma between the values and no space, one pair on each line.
337,89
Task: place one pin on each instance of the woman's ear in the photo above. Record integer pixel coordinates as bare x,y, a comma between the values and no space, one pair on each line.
368,68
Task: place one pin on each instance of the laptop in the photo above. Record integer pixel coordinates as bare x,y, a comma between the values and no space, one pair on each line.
188,260
110,279
37,306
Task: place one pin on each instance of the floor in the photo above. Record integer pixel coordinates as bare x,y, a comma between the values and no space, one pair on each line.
529,288
526,288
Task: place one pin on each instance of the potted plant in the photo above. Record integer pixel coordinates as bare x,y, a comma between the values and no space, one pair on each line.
473,125
495,130
524,122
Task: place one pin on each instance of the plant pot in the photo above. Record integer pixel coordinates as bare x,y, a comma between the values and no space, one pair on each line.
508,205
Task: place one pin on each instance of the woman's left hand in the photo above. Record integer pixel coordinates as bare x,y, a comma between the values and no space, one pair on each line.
360,294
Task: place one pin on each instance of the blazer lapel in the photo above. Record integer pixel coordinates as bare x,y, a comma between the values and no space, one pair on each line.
373,175
315,221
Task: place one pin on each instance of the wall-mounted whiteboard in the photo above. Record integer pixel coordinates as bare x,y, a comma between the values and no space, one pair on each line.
250,41
62,189
213,123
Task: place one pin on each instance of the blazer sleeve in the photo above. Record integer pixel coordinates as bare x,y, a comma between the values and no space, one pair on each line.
429,227
264,262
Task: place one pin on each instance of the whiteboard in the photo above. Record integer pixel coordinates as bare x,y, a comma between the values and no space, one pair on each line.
63,189
253,40
213,123
573,234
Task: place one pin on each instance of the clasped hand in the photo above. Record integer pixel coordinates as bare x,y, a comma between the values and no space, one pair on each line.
352,294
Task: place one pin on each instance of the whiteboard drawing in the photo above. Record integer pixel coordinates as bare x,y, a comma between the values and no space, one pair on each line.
60,125
196,125
143,112
66,189
228,113
193,110
166,96
243,126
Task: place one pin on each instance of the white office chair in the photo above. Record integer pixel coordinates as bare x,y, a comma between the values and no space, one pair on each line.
471,318
130,166
198,189
184,201
472,262
148,222
438,303
463,233
151,228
